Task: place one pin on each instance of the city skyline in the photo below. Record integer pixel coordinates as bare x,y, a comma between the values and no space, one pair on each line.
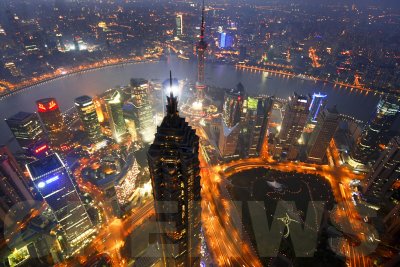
273,141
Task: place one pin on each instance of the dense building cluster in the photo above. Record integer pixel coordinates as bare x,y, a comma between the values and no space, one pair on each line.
83,185
331,41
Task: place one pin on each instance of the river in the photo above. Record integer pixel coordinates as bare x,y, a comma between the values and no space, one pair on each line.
66,89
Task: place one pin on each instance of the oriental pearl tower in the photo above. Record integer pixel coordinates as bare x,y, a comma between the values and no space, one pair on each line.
201,49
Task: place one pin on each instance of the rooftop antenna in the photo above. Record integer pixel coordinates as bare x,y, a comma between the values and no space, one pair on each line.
170,79
202,22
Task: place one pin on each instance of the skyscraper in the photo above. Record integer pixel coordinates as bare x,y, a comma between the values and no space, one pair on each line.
116,115
375,132
201,50
27,130
232,110
257,119
13,187
293,123
87,113
142,109
231,126
327,123
384,173
179,24
174,171
53,181
222,40
53,122
228,141
317,105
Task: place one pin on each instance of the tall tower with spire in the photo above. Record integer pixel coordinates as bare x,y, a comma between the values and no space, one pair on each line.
175,176
201,50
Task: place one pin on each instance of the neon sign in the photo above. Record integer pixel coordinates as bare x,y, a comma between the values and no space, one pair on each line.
44,107
42,184
52,105
41,107
40,149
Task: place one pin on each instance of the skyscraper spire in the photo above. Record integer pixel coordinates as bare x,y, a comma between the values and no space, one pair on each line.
172,101
202,28
170,81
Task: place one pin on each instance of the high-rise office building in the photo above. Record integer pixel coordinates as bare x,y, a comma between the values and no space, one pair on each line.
53,121
228,141
317,105
293,123
53,180
27,130
384,173
232,110
201,50
258,111
231,124
13,187
375,132
222,40
179,24
88,115
174,171
116,115
327,123
142,109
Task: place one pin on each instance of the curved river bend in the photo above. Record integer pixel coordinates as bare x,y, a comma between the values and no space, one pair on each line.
93,82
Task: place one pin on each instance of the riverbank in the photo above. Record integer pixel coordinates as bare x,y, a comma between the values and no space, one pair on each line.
18,89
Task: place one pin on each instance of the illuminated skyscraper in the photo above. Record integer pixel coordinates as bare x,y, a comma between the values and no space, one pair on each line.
293,123
376,130
116,115
53,122
87,113
201,50
142,109
179,24
222,40
318,102
231,126
258,111
13,187
385,172
174,171
27,130
232,110
326,125
53,181
228,141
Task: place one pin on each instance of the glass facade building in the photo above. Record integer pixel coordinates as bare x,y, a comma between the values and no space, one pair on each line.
53,180
292,127
376,130
326,125
27,130
116,115
53,121
385,172
88,115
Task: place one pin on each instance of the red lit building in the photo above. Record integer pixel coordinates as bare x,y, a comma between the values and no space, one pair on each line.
53,121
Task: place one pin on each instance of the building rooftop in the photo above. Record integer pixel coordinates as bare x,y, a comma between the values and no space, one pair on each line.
20,116
83,100
44,165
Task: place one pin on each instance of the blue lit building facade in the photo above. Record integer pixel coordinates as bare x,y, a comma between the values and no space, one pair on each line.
226,40
53,181
222,41
318,103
